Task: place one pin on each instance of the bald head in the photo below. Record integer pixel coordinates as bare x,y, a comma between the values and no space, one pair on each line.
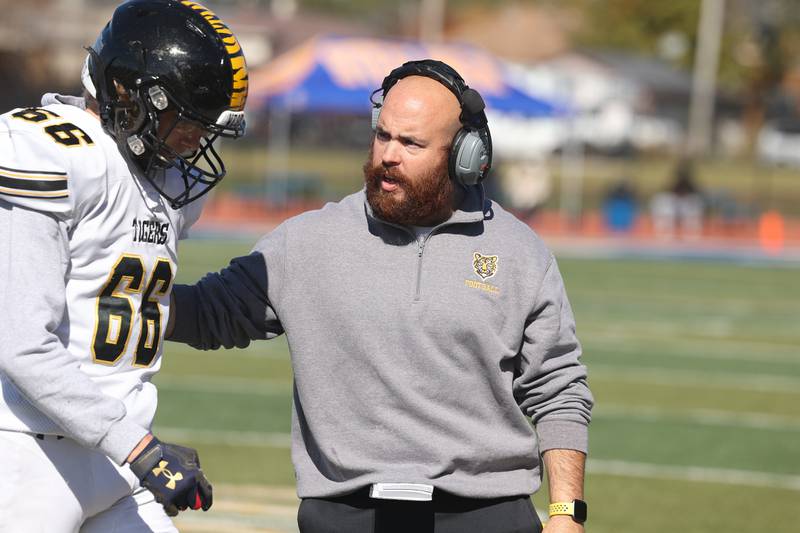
423,105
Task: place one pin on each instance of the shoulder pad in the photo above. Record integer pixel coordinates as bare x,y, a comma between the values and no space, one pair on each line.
33,161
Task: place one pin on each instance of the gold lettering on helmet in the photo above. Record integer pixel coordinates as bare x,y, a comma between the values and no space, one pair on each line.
238,65
239,82
231,45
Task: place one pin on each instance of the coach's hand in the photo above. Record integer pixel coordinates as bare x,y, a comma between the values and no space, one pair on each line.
172,473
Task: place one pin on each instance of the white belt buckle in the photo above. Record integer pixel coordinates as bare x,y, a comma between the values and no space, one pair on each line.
413,492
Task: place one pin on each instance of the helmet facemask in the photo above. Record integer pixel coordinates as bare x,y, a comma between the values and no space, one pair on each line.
144,119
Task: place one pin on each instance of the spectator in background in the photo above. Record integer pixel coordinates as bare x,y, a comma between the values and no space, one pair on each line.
678,211
620,206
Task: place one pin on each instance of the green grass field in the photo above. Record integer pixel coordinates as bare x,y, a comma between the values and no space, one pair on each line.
695,368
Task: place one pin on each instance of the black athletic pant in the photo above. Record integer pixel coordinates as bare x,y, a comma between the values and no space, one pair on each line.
358,513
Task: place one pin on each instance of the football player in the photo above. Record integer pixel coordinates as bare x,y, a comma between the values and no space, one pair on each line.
95,193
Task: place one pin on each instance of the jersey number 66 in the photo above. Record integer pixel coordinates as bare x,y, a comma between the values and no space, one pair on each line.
115,311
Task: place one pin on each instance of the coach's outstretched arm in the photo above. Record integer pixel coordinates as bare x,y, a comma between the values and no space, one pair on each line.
224,309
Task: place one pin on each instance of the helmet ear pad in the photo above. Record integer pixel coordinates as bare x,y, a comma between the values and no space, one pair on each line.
129,116
469,157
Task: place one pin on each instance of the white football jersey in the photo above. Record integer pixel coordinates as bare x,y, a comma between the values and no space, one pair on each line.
122,247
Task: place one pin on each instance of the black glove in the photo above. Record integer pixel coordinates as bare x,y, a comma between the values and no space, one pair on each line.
172,473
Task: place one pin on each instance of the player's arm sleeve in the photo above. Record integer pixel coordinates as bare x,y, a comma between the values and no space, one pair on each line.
232,307
34,260
551,386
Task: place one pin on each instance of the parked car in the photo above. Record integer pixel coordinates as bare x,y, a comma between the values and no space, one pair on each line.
779,142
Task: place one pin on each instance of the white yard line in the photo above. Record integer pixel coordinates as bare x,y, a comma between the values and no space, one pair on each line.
595,466
694,474
245,509
225,384
656,376
700,416
191,524
704,379
254,439
696,348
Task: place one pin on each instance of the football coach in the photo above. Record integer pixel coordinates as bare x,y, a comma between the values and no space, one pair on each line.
437,371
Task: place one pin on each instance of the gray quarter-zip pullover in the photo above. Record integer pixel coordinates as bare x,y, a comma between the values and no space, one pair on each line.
420,361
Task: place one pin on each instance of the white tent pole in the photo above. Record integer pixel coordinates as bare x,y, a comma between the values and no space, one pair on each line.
704,79
431,20
572,163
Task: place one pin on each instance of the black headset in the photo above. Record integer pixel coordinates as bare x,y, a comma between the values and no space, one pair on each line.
471,152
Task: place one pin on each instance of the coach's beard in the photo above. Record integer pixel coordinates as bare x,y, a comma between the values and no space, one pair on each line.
426,201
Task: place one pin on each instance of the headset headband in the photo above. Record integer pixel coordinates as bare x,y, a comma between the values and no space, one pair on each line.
470,100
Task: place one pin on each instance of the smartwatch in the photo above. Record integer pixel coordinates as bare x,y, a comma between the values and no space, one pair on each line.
576,509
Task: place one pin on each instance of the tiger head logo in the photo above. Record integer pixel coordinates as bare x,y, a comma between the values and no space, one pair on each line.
484,265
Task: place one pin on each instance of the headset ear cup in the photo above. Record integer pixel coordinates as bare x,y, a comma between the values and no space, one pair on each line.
376,114
468,158
377,104
452,161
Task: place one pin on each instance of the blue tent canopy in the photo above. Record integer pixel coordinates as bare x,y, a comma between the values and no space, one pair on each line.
337,74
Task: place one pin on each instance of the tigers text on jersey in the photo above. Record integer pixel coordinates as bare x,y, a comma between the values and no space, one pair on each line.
120,256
